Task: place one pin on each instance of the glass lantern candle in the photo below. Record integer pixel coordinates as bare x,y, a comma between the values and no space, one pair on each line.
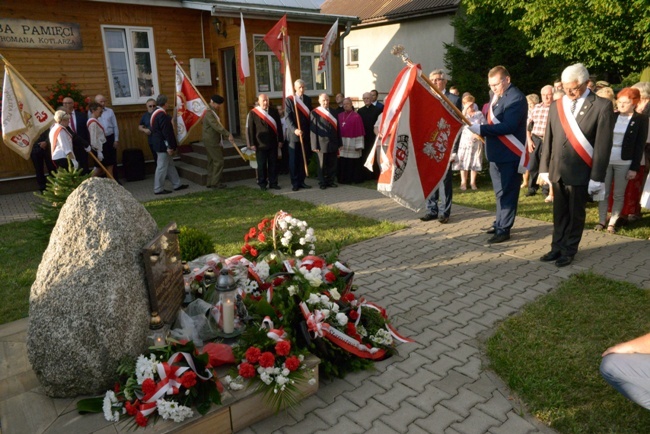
158,336
227,290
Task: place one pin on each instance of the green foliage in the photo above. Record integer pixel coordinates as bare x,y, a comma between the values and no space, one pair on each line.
631,79
63,89
549,354
485,39
194,243
606,35
59,186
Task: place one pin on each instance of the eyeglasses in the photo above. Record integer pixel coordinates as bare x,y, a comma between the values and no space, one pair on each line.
150,106
496,84
572,89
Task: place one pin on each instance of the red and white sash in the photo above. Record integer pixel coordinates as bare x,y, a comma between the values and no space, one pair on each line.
154,114
573,132
93,120
510,141
325,114
55,138
267,118
300,104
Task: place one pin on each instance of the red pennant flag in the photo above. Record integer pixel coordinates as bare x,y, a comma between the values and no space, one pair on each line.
275,36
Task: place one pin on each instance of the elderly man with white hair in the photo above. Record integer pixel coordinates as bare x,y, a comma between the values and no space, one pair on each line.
575,155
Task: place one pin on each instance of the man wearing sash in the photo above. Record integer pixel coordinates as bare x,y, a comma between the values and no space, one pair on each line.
264,131
505,139
299,104
575,155
325,141
164,143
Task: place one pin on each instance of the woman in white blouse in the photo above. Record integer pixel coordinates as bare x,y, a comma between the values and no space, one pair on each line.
97,136
630,132
61,141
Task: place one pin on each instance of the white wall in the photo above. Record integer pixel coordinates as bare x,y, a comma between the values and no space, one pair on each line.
422,38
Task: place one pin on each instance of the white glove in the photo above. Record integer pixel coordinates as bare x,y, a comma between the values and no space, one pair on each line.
100,155
475,128
75,164
87,149
595,187
544,177
454,157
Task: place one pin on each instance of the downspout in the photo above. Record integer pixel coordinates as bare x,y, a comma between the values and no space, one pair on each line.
348,26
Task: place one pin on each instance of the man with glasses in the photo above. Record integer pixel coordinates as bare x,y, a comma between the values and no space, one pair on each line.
505,148
145,126
439,78
575,156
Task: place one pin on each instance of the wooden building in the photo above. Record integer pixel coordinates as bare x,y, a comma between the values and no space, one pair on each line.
121,53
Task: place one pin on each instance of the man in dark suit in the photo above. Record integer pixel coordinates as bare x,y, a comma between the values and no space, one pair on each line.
299,104
325,141
439,78
374,96
505,148
369,114
575,155
264,131
79,131
164,143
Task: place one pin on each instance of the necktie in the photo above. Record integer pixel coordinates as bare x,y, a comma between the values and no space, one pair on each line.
573,106
74,130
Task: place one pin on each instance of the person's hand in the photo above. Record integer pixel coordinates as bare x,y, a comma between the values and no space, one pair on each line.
531,146
631,174
279,145
116,144
622,348
43,145
475,128
87,149
454,157
75,164
231,139
170,151
595,187
298,133
544,177
147,131
100,155
254,148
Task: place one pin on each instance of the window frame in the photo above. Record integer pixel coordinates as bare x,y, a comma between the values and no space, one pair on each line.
130,53
315,58
350,61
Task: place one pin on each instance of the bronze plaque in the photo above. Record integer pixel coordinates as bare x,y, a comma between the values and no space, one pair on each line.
48,35
162,263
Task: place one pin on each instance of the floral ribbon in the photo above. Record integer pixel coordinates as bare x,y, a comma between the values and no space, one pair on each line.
316,324
277,335
382,311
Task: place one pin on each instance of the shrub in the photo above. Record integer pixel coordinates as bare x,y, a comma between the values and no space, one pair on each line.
194,243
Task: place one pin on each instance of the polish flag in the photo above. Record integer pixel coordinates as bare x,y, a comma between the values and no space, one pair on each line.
417,134
244,67
327,45
190,107
24,115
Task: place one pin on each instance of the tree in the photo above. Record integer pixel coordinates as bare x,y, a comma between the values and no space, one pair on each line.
485,39
607,35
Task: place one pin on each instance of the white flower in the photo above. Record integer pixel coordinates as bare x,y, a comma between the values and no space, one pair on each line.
362,330
342,319
145,368
301,357
281,379
285,372
312,381
110,400
300,252
324,299
335,308
266,378
173,410
335,293
312,251
287,234
262,269
325,312
302,241
282,224
291,290
313,299
284,242
227,379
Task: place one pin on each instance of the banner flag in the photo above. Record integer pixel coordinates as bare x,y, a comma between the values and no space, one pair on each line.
244,66
190,108
417,133
24,115
275,38
327,46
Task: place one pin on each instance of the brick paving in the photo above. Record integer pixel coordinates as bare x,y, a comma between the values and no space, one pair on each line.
446,288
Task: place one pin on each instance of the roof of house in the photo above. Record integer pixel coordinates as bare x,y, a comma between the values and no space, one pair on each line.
374,11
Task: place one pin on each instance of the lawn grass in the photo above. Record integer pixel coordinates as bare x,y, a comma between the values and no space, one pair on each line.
226,215
549,354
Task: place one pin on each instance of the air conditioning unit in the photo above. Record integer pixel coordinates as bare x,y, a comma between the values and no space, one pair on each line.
200,72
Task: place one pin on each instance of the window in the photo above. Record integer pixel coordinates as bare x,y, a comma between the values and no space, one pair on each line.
267,69
310,50
131,60
353,56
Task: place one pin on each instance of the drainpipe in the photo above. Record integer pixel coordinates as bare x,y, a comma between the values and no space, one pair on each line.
348,26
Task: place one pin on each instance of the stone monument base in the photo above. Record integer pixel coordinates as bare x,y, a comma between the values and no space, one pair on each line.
24,407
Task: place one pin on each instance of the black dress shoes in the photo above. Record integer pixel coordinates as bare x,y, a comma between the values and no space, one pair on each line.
550,256
563,261
275,187
332,184
491,231
428,217
181,187
323,187
499,238
163,192
303,185
443,220
295,188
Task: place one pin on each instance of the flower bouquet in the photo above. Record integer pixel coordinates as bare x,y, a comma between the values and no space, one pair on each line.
167,382
249,155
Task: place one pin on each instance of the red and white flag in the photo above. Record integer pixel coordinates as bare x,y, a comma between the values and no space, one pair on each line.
327,46
244,66
417,133
190,108
24,115
275,38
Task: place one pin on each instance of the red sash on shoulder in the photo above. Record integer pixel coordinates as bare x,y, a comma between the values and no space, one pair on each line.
56,136
154,114
93,120
266,118
300,104
574,134
510,141
325,114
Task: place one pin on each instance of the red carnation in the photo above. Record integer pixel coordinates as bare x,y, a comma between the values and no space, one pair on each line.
278,281
247,370
260,225
351,330
141,420
188,380
253,354
116,388
254,252
132,409
267,360
148,387
243,250
292,363
282,348
354,315
349,297
261,238
252,232
246,238
198,277
330,277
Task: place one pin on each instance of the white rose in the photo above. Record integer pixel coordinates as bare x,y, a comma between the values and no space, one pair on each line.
342,319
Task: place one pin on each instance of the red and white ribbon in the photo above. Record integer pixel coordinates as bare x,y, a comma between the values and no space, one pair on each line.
277,335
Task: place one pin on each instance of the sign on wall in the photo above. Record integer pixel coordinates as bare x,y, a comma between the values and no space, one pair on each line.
48,35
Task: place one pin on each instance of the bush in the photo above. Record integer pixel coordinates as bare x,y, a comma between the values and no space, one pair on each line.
194,243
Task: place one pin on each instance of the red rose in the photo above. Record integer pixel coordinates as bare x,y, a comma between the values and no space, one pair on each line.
253,354
252,232
247,370
282,348
354,315
148,387
198,277
349,297
141,420
330,277
188,380
261,238
292,363
267,360
254,252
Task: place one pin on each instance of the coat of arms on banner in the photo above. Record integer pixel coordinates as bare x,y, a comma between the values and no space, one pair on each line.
401,154
437,145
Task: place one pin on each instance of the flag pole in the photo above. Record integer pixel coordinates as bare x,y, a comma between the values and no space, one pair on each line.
47,104
296,110
173,56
